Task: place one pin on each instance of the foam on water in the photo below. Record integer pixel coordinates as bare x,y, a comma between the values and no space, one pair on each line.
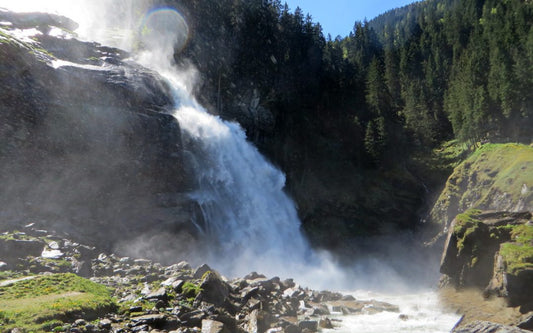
422,314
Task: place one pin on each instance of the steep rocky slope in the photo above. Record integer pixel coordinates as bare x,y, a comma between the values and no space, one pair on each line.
86,141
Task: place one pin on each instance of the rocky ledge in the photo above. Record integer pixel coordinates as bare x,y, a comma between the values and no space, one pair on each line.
144,296
492,252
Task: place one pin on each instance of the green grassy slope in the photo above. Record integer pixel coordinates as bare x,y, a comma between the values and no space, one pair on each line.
41,303
494,177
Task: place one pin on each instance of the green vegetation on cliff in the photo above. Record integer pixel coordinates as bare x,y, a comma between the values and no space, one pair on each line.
494,177
493,251
465,225
518,255
190,290
41,303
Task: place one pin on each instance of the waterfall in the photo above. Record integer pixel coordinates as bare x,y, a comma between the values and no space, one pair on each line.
250,221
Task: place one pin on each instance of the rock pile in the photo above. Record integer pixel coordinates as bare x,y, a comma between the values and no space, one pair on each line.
177,298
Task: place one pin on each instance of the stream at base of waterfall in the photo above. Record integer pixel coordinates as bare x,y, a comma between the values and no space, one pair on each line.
418,313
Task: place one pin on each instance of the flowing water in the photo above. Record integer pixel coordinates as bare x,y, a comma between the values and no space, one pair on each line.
248,216
420,313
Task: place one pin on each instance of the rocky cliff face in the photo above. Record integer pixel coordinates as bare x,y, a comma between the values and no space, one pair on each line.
337,198
85,141
484,212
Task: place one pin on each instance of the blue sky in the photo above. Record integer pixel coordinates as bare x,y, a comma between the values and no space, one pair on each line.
337,17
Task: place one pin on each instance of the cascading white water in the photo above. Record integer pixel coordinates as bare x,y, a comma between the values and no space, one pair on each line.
419,313
247,214
252,223
256,226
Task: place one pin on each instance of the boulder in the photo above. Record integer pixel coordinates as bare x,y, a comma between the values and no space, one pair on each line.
489,251
150,319
254,276
374,306
183,265
258,321
328,296
325,323
200,271
13,249
468,256
294,292
310,325
105,324
526,322
157,295
248,292
320,310
213,290
193,318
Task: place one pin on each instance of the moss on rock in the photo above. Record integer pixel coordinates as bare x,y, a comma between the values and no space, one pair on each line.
518,255
494,177
466,224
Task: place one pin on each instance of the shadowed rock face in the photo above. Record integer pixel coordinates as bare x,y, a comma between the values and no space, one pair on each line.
87,140
491,251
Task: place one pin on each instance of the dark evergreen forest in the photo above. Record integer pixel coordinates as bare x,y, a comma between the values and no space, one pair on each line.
357,122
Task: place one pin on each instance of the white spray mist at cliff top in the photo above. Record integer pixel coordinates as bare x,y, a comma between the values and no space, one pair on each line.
109,22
